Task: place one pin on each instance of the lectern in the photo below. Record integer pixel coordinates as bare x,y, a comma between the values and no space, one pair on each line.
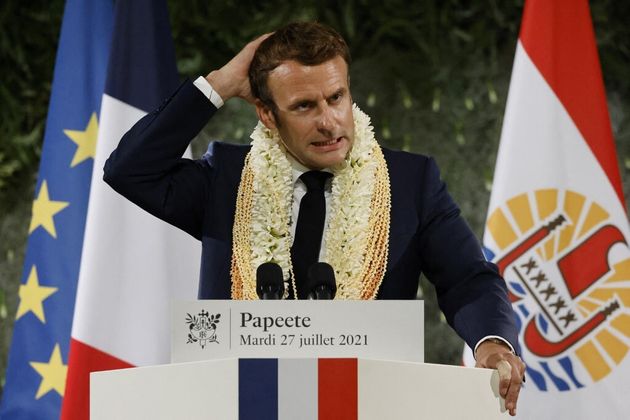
303,389
296,361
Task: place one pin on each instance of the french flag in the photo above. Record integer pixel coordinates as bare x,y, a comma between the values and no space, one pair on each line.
132,264
307,389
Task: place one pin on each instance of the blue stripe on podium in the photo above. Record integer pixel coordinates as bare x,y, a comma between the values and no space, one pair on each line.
258,389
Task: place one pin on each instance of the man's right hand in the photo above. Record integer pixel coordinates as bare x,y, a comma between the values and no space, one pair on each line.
232,79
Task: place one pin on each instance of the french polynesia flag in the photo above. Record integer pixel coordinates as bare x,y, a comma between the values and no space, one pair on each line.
132,264
557,226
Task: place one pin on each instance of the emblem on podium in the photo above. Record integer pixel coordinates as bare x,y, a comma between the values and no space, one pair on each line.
202,328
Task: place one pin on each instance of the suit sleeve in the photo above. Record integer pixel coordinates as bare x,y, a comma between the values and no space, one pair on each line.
470,291
147,166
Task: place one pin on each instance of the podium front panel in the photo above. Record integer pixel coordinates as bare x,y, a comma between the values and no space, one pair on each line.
287,389
398,390
219,329
206,390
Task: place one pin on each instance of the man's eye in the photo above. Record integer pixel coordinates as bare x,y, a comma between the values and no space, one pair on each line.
336,97
303,106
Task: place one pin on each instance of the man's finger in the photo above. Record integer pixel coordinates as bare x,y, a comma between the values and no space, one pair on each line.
514,387
505,375
510,377
505,369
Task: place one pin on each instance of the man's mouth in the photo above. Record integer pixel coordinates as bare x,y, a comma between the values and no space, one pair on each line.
327,142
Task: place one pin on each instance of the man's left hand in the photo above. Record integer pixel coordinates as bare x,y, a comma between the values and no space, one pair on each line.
494,355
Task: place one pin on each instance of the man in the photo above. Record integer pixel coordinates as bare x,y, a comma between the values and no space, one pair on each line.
314,172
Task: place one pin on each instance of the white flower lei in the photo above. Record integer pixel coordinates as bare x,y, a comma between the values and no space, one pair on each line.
266,211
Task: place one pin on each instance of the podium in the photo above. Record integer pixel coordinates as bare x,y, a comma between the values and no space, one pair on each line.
299,389
290,360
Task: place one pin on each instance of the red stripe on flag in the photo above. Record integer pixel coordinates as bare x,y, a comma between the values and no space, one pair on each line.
337,389
82,360
559,38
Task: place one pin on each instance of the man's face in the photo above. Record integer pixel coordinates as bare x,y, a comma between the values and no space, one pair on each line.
314,111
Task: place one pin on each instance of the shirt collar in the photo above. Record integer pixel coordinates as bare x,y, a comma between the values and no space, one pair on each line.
297,169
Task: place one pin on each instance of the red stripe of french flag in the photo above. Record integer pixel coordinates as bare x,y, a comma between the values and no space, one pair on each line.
338,389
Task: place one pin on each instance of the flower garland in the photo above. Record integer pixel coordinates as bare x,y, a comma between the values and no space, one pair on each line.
357,235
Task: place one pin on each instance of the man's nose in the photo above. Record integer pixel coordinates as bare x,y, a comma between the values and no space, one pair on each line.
326,120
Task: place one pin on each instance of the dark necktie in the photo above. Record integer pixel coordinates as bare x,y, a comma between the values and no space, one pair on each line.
309,228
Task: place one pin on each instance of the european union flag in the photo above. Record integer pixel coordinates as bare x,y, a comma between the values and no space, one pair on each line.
36,373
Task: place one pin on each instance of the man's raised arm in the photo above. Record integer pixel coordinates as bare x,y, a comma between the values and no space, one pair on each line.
147,166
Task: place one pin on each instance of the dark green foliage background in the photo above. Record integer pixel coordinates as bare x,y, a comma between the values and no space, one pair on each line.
432,74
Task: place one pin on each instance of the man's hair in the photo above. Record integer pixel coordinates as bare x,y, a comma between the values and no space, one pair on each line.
308,43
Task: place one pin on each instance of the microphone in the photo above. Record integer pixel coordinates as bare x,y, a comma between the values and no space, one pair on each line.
321,282
269,281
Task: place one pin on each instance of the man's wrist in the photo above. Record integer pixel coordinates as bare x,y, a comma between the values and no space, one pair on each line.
499,341
496,340
221,83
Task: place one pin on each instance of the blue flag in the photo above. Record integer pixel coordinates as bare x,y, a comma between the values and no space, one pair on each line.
36,372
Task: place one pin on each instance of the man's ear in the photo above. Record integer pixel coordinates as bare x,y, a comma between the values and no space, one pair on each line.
265,115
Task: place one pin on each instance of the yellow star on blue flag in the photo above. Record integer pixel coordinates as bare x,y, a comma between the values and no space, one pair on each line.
85,141
44,209
53,374
32,296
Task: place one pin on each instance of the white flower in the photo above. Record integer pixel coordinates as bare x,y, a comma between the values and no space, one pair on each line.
348,229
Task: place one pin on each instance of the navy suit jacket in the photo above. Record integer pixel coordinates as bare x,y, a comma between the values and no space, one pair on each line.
427,233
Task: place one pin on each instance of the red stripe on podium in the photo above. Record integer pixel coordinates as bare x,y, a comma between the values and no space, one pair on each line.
84,359
337,389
